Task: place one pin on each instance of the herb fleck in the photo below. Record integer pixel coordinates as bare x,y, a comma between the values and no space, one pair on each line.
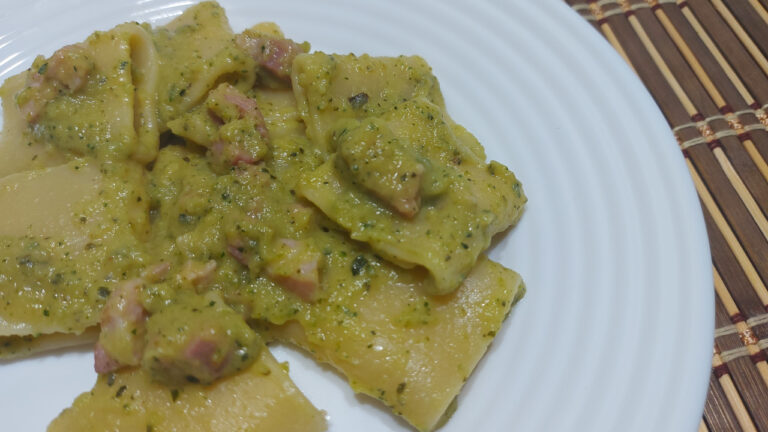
186,219
359,100
358,265
120,391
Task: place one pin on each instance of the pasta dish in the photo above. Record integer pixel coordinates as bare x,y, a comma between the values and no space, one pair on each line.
183,196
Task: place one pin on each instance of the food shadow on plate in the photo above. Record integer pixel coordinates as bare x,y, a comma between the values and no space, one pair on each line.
505,236
328,374
16,349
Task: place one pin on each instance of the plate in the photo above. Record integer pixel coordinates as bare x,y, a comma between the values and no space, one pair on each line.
615,332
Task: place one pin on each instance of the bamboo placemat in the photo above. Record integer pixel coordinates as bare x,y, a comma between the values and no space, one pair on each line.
706,64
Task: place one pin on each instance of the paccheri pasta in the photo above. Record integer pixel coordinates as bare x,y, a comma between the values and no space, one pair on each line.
183,196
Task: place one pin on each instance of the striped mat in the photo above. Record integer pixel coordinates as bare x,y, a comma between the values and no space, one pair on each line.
705,63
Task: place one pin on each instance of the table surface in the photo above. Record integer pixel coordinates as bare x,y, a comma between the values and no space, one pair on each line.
706,64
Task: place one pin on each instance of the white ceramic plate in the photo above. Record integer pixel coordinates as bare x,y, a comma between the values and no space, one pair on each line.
615,332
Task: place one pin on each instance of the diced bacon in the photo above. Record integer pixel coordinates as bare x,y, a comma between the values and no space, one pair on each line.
219,151
198,339
231,154
35,80
69,66
32,108
122,328
261,126
102,362
123,306
279,55
274,55
404,195
216,118
383,165
242,135
33,99
235,249
218,148
296,268
301,283
291,243
239,116
198,273
203,352
407,206
246,106
66,70
157,272
242,156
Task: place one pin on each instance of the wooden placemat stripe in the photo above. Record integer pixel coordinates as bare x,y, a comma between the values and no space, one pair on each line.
705,129
723,229
717,54
727,12
749,70
718,413
733,119
704,61
753,347
735,402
